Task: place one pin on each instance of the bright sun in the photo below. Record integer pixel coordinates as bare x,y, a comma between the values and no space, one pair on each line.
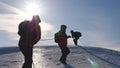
32,9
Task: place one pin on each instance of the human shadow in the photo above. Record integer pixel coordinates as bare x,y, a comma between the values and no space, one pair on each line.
68,66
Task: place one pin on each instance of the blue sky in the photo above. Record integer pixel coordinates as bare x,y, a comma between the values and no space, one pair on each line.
97,20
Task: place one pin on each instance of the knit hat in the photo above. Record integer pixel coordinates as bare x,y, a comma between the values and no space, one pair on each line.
64,26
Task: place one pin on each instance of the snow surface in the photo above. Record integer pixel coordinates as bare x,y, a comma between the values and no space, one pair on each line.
48,56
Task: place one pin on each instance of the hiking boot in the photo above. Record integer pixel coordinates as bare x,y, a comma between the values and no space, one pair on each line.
63,62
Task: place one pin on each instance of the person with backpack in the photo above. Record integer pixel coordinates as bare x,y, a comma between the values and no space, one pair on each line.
75,35
61,39
30,34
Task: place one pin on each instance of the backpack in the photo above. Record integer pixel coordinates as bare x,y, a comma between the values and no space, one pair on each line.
22,29
56,37
79,34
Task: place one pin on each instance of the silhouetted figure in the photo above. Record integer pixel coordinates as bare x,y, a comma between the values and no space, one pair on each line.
30,34
62,42
75,35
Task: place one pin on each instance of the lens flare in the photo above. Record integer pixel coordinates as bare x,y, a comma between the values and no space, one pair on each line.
93,63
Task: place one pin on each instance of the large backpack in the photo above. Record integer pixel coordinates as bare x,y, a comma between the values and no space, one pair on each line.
22,29
79,34
56,37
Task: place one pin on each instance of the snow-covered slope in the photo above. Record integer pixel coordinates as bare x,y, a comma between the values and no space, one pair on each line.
48,56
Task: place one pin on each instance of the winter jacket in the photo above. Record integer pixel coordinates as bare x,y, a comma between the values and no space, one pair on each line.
62,38
76,35
29,34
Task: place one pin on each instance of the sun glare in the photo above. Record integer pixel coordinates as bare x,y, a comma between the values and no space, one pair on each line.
32,9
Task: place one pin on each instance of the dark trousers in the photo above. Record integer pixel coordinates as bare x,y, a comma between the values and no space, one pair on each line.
65,51
27,51
75,41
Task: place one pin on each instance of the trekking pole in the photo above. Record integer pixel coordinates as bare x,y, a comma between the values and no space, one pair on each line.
49,39
46,39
